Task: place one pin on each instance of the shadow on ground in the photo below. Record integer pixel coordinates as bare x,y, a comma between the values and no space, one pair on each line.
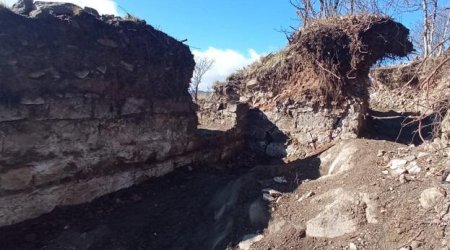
205,208
397,127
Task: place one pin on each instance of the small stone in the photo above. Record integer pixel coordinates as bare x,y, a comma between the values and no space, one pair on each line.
403,179
127,66
92,11
272,192
422,154
249,240
307,195
430,197
413,168
352,246
268,197
397,167
405,248
280,179
416,244
252,82
381,153
397,163
447,179
23,7
102,69
385,172
81,74
302,233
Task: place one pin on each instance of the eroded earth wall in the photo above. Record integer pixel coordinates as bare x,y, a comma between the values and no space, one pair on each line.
89,105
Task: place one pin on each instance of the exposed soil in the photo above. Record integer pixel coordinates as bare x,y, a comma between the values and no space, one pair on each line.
217,208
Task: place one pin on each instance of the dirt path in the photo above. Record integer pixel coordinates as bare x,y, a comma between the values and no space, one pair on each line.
345,198
200,209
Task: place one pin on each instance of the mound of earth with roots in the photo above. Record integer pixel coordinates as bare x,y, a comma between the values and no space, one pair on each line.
314,91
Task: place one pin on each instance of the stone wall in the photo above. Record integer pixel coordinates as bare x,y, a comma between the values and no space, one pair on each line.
397,87
293,130
89,105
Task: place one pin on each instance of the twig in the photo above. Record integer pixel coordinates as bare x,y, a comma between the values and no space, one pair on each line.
318,64
426,82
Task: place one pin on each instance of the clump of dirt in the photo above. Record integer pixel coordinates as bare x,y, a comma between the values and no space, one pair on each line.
326,61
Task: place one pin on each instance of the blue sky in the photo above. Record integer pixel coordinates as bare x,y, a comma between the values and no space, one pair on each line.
233,24
234,33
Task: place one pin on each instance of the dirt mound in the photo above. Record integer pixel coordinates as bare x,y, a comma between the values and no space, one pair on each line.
372,195
327,60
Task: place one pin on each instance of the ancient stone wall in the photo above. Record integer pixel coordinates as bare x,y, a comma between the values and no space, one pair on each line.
89,105
305,97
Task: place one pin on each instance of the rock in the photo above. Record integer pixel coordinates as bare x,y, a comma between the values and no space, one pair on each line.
403,179
92,11
307,195
430,197
302,233
252,83
447,178
397,167
339,158
272,192
268,197
81,74
280,179
55,8
127,66
66,127
352,246
23,7
413,168
343,215
249,240
381,153
416,244
102,69
16,179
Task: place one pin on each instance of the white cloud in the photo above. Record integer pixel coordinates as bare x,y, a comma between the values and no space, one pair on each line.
102,6
226,62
